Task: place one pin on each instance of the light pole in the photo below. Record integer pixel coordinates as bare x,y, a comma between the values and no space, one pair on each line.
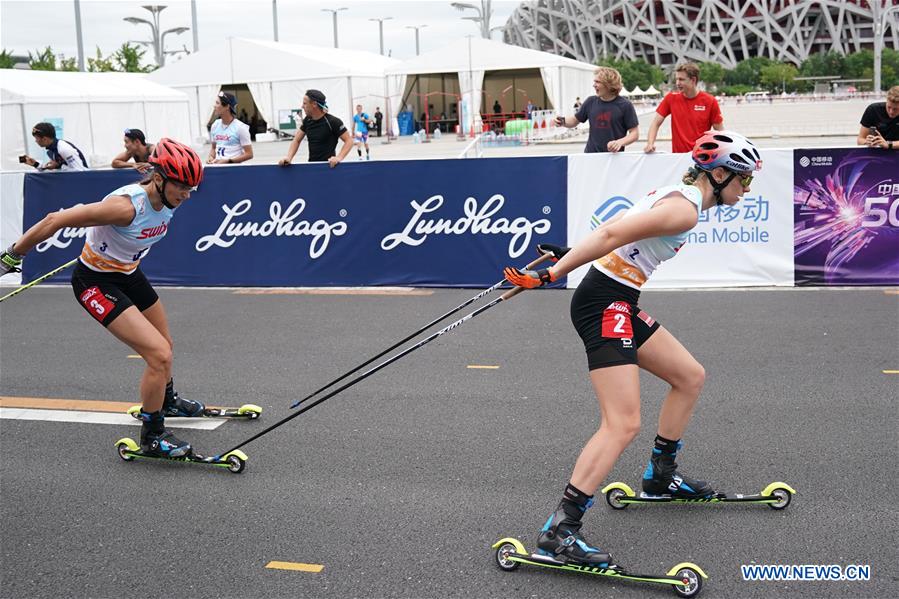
275,18
193,24
158,40
334,12
381,30
416,28
880,20
78,37
484,13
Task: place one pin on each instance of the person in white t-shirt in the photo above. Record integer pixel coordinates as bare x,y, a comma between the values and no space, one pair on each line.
64,155
229,136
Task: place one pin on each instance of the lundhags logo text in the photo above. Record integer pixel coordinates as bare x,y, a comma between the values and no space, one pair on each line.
478,220
62,238
280,224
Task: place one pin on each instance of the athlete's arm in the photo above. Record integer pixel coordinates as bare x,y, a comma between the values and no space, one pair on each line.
114,210
344,150
718,126
671,215
121,160
294,146
211,157
657,121
247,155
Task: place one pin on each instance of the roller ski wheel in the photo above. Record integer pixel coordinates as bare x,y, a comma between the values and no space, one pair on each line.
777,496
235,461
248,411
684,578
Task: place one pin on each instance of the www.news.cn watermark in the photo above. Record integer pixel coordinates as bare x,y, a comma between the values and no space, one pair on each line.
805,572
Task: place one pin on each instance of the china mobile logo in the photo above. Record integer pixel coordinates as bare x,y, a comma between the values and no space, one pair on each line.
279,224
478,220
62,238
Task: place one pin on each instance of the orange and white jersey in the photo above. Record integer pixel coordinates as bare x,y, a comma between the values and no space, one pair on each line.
111,248
633,263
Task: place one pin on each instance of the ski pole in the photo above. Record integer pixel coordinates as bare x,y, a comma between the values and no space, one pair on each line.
484,293
507,295
38,280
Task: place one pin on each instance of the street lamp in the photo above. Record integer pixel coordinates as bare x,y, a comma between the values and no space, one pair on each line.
381,30
334,12
484,13
417,47
880,20
158,40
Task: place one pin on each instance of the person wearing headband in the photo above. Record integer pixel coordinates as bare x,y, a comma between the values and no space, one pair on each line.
323,131
230,137
137,149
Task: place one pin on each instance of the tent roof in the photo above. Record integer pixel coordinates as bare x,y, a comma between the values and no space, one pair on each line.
241,60
487,55
25,86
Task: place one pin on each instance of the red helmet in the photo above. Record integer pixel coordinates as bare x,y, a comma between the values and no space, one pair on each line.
174,160
728,149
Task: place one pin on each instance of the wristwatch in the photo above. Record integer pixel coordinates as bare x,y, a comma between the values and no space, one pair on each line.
890,146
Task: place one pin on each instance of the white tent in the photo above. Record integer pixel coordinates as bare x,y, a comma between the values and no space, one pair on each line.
637,91
564,79
652,91
277,75
91,109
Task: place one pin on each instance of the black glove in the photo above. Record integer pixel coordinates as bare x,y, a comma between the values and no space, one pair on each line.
557,251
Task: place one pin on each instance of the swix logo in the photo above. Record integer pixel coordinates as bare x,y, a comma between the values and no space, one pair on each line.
478,220
281,224
89,293
608,210
62,238
620,307
699,107
153,231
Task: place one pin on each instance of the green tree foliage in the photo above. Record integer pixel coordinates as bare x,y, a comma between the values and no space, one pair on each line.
128,59
748,72
712,74
635,72
46,60
6,60
778,77
822,65
99,64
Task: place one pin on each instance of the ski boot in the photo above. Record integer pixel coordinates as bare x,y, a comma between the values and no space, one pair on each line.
561,539
662,478
155,440
175,405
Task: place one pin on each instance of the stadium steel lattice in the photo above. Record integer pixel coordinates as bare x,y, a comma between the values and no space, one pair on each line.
665,32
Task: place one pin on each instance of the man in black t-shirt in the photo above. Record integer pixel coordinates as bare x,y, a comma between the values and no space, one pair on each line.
880,123
613,120
323,131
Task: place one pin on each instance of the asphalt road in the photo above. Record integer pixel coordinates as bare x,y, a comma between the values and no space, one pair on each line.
399,485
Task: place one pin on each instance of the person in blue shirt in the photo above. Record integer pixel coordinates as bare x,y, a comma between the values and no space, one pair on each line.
361,123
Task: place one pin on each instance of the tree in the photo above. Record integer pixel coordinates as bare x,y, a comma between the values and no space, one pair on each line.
99,64
775,77
45,60
823,65
128,59
712,74
634,72
747,72
6,59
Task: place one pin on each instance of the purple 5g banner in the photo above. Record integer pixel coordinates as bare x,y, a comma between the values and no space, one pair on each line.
425,223
846,226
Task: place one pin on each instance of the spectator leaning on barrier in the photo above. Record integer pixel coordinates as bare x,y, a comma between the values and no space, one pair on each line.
880,123
613,120
693,112
137,149
323,131
64,155
230,136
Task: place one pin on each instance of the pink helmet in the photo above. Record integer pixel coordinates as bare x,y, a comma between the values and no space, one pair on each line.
728,149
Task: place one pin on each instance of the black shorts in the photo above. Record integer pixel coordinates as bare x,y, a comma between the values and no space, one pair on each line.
105,295
609,321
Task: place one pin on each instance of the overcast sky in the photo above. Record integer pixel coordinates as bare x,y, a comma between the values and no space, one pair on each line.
34,24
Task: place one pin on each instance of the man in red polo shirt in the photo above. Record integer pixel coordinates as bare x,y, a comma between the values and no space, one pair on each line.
692,112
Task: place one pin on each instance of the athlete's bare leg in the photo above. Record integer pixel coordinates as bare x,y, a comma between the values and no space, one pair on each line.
136,331
666,358
618,392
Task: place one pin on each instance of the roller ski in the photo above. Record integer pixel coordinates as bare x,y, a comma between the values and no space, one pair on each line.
662,483
234,461
685,578
178,407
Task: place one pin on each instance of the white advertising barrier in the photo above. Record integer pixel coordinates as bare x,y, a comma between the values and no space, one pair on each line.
747,244
11,210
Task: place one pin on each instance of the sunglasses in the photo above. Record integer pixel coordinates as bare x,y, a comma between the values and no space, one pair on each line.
745,181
